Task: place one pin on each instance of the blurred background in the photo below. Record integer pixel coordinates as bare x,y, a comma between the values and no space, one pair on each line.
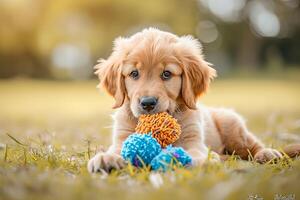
62,39
48,49
53,118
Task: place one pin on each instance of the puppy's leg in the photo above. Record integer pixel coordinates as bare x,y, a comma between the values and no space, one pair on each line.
238,139
192,138
106,161
112,159
198,151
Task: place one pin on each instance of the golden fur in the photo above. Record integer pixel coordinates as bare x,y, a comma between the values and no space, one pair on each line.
151,52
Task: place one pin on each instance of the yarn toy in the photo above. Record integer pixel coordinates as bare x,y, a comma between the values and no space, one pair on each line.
169,158
151,145
164,127
140,149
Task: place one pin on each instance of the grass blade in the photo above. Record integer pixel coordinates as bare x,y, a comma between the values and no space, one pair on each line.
6,152
14,139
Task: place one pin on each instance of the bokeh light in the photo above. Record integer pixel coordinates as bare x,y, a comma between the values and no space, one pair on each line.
207,31
227,10
263,21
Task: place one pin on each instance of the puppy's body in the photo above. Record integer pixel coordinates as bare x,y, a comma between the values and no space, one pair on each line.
220,130
155,71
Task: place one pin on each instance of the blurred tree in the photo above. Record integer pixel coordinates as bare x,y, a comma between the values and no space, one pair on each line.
40,27
63,38
18,29
249,28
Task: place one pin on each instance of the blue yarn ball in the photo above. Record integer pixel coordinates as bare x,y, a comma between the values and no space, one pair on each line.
170,157
140,149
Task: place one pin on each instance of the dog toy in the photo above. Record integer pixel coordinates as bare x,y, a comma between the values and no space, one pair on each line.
151,144
169,158
144,150
163,127
140,149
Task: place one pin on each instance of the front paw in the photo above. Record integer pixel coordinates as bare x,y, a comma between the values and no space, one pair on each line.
105,161
213,157
198,161
266,155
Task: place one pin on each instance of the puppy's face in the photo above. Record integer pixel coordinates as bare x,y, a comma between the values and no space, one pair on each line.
152,88
155,71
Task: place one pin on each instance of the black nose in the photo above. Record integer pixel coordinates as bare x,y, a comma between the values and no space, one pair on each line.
148,103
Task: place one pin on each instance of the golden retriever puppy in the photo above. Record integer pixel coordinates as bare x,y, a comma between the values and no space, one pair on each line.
155,71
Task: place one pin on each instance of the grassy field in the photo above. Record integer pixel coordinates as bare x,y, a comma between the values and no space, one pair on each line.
48,131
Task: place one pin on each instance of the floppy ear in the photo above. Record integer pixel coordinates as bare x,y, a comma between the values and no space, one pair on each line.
110,72
111,79
197,73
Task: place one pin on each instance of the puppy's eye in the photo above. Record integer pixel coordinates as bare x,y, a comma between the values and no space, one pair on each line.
166,75
134,74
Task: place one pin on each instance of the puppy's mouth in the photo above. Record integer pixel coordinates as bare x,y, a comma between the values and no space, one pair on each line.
159,108
144,112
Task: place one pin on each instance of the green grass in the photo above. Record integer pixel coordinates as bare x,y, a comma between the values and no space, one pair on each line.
48,131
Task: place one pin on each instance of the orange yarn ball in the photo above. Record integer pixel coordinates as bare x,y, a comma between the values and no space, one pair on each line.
164,128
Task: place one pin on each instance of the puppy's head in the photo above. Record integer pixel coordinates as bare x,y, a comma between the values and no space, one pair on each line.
155,71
